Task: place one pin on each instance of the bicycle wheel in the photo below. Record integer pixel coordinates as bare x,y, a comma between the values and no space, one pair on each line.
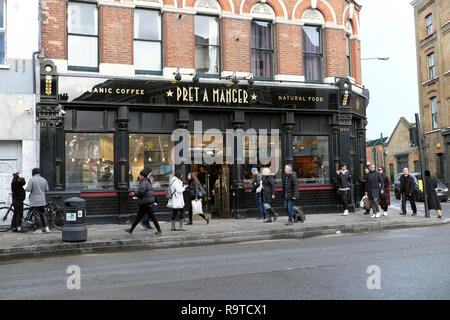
6,214
59,219
28,220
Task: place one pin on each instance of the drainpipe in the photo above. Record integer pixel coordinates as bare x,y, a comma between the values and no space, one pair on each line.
33,59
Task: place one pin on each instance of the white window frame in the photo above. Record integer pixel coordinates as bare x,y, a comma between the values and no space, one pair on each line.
434,113
429,26
431,66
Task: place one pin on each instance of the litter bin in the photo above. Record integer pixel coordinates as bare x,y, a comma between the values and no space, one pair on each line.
75,228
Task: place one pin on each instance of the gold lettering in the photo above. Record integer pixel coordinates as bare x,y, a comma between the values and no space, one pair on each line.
222,96
245,97
205,96
228,95
234,96
215,95
196,94
191,98
185,94
178,93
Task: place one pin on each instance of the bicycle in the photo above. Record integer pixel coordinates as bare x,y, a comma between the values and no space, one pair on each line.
6,212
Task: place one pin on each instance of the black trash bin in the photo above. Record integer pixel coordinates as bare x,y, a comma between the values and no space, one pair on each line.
75,228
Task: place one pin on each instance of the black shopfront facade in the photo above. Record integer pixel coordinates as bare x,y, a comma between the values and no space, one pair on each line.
96,134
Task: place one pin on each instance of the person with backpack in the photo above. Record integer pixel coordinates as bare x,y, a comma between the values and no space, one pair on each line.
344,178
18,195
176,201
146,199
430,183
257,189
194,192
268,194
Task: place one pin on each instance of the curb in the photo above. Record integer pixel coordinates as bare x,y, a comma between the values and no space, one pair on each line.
201,239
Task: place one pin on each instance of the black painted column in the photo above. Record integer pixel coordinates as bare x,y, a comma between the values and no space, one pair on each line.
288,127
59,156
237,173
359,172
47,153
122,167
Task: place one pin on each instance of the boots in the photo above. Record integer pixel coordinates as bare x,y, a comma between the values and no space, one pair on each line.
172,223
274,214
181,225
437,211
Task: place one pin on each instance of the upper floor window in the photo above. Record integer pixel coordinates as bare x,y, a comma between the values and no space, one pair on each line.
207,45
147,41
82,36
431,66
429,21
347,44
312,53
2,30
262,49
434,113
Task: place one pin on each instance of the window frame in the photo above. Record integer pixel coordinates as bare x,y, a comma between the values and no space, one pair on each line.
431,68
219,25
321,54
349,60
83,68
434,113
3,30
429,27
267,50
151,72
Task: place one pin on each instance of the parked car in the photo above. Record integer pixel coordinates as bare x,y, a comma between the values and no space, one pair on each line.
441,189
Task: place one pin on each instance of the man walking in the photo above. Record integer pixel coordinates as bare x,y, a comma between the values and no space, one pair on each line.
257,188
344,180
290,190
38,186
374,185
407,190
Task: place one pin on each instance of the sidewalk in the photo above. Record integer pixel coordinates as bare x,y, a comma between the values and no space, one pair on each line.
112,238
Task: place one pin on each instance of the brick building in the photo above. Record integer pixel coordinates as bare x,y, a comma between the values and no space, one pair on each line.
128,73
432,20
375,153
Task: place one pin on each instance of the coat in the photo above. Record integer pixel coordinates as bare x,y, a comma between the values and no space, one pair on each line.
344,179
290,186
407,185
268,188
177,200
256,182
18,192
193,190
386,197
145,192
374,184
433,200
37,186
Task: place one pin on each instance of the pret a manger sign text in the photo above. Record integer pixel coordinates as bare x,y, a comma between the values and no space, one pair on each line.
211,95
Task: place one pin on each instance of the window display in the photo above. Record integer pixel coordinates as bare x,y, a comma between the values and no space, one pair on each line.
311,159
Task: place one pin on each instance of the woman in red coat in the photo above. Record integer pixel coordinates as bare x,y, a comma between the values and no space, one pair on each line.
385,198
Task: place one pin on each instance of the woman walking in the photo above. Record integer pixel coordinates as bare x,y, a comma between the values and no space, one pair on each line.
176,202
146,199
433,200
194,191
18,195
268,194
385,198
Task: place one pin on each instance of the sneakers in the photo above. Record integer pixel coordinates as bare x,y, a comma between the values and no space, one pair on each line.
345,212
128,230
385,213
373,215
378,214
47,230
19,229
38,231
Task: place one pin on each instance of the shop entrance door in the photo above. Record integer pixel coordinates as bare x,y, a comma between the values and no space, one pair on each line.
216,179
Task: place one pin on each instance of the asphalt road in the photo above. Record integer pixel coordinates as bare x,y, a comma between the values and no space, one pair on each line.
413,264
420,207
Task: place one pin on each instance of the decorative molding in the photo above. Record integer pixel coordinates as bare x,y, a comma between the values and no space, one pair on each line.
313,15
116,4
262,10
235,16
209,5
149,3
178,10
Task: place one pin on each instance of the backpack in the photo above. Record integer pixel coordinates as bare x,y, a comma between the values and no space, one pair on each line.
169,194
300,215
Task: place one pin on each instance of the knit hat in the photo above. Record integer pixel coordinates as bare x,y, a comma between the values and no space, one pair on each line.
254,169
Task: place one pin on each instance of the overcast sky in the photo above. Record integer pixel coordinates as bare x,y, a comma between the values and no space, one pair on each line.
387,29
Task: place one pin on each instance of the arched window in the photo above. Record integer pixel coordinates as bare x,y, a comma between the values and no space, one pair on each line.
262,40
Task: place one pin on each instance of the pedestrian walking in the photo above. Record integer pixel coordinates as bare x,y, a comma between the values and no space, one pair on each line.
18,195
385,197
290,191
344,178
176,201
194,192
363,180
146,198
433,200
38,186
257,189
374,185
268,194
407,191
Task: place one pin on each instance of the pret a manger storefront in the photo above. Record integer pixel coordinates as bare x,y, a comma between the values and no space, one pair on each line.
111,128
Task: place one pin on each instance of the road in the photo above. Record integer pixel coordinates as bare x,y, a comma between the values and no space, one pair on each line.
413,264
420,207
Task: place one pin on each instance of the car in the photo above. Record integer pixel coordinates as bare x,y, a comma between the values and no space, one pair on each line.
441,189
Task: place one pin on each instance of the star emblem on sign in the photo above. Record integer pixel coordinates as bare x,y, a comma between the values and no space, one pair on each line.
170,93
254,96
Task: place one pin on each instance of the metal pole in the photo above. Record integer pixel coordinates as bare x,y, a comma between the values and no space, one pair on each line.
422,157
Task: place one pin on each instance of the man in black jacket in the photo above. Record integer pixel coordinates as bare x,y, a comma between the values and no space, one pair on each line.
18,195
257,189
344,178
407,190
374,185
290,190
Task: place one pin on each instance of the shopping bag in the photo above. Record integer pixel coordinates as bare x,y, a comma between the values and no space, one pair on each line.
361,203
197,207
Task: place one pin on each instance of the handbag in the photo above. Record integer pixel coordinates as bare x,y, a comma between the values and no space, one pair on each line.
197,207
201,192
169,193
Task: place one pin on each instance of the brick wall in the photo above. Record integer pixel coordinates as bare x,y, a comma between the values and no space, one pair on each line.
335,59
53,28
236,54
178,47
288,49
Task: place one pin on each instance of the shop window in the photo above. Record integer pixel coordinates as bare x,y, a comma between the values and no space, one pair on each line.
311,159
429,21
207,45
434,113
349,69
147,41
312,53
82,36
151,151
262,49
2,30
89,161
431,66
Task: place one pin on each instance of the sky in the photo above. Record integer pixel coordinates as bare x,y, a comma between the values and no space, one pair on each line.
387,29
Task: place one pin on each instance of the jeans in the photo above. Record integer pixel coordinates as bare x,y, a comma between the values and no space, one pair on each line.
146,218
40,218
18,214
411,201
260,204
375,205
289,204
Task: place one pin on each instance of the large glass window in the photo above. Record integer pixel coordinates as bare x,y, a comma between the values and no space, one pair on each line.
207,44
311,159
2,30
147,41
151,151
312,53
89,161
429,21
262,49
431,66
434,113
82,38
